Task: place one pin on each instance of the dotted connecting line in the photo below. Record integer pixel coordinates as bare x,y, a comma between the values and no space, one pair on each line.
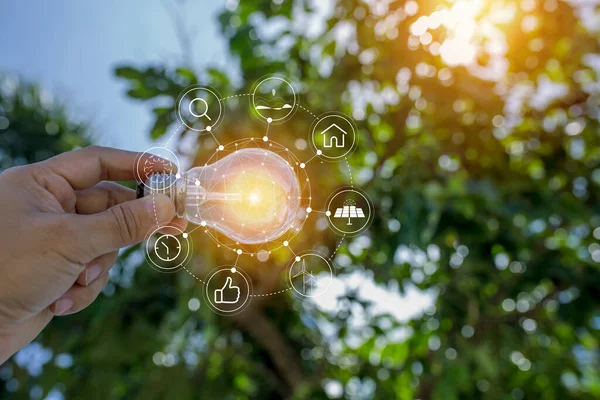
270,294
173,134
308,111
336,249
236,95
154,208
349,172
250,94
192,274
279,291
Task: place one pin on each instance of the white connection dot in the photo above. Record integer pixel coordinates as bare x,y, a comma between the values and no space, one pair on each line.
286,243
319,152
203,223
185,235
302,165
178,176
208,128
308,209
197,182
239,251
265,138
328,213
221,147
297,258
269,120
234,270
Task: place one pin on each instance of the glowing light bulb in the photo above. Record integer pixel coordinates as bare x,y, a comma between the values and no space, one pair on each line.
252,195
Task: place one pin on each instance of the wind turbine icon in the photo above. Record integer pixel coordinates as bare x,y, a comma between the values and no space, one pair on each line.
307,277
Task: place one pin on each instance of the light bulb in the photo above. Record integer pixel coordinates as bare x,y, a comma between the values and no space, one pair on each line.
252,195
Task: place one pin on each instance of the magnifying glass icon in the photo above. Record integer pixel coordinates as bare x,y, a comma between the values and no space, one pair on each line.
204,114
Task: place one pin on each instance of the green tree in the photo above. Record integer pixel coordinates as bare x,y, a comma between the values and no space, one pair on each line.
33,127
478,145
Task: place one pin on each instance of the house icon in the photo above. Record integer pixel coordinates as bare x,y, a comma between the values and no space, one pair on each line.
331,135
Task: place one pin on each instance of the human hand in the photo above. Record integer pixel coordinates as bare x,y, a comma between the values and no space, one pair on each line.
61,227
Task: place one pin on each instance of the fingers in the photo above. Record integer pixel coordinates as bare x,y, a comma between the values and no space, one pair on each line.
124,224
180,223
108,194
101,197
88,166
97,267
78,297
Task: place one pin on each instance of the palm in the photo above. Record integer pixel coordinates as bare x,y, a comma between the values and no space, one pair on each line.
42,226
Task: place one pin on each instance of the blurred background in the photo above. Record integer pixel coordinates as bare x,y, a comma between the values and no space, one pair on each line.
479,134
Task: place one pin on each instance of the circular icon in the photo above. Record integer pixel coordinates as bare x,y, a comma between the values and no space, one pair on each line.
349,211
310,274
274,99
333,136
228,290
156,160
168,248
199,108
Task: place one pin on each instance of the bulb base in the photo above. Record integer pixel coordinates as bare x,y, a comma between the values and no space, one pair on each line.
168,185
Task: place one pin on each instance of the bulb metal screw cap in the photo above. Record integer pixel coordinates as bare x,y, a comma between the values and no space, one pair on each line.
167,184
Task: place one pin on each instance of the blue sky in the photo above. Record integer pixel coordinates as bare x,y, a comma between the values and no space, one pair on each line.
71,48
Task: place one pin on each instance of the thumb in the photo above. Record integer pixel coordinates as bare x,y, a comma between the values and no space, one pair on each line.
228,282
126,223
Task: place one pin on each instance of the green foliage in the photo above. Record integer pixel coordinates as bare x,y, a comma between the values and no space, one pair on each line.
486,196
33,126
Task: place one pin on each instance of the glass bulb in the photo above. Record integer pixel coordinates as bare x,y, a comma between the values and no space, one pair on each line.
252,195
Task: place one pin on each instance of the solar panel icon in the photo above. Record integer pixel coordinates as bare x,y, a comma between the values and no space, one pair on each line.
350,211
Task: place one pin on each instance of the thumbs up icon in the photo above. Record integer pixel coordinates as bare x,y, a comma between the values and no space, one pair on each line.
228,294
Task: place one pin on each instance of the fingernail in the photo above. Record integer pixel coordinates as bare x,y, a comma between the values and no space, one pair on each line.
91,273
161,206
62,306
